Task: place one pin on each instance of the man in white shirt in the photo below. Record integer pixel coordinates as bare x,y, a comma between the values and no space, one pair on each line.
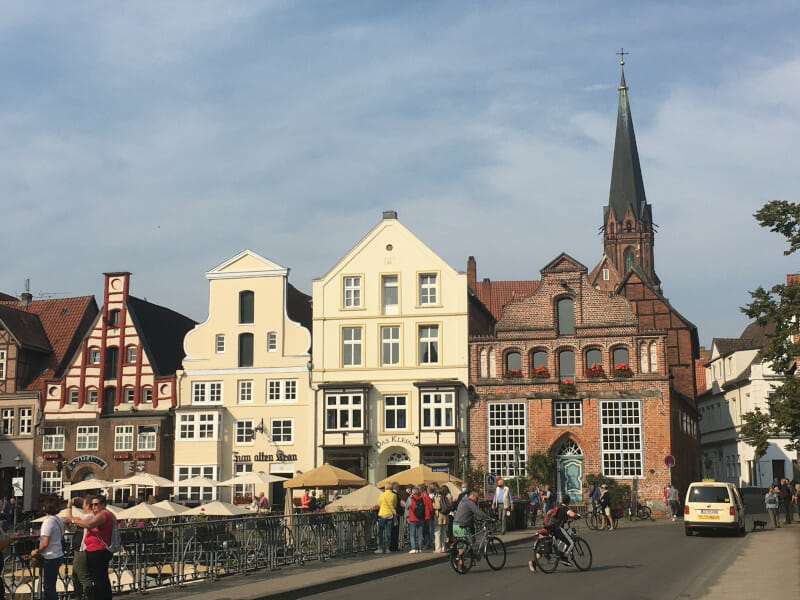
503,502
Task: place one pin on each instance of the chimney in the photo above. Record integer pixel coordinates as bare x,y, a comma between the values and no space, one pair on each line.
472,273
25,298
390,214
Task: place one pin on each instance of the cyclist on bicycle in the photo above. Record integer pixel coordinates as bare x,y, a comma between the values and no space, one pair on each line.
464,519
554,526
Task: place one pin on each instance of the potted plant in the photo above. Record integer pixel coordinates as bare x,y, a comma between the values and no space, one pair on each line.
540,372
514,373
567,387
595,371
622,370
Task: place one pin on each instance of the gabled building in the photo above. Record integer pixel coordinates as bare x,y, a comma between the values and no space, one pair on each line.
390,356
37,337
110,415
245,397
584,327
738,382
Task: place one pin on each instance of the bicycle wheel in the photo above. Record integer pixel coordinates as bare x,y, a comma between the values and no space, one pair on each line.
582,555
461,557
545,557
495,553
592,520
645,513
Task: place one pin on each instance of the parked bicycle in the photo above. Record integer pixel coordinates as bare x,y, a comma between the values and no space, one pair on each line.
594,517
466,551
548,551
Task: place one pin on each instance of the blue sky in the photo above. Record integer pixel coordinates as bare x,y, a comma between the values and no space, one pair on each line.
162,138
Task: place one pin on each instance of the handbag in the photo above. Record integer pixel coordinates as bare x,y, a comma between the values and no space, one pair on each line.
36,561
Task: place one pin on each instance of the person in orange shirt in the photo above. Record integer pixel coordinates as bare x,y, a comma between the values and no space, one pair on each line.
305,501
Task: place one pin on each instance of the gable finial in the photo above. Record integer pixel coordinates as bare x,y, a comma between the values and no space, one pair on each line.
621,54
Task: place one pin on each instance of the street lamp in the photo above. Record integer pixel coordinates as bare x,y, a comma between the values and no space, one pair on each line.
18,461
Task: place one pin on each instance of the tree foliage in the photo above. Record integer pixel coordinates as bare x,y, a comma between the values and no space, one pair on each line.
779,306
541,468
756,431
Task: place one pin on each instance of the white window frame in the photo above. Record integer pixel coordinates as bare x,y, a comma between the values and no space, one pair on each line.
280,439
94,356
244,435
390,344
147,395
428,289
281,390
51,482
54,442
219,343
7,419
351,291
123,438
344,405
130,354
272,341
192,425
195,493
606,275
207,392
621,439
25,421
390,284
147,441
352,340
128,394
428,338
87,437
507,437
244,391
243,490
72,395
437,407
567,413
394,406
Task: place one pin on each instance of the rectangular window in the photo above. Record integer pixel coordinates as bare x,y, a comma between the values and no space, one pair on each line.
7,422
73,396
94,356
246,349
198,426
53,439
438,410
244,431
428,344
507,445
219,343
344,412
605,275
146,437
281,390
351,346
123,438
147,395
25,420
621,438
129,395
567,412
88,438
395,412
206,426
130,355
207,392
281,431
428,289
196,494
390,345
245,391
352,292
246,307
51,482
272,342
2,364
390,294
243,491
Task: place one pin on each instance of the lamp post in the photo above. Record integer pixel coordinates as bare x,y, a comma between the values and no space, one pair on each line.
18,461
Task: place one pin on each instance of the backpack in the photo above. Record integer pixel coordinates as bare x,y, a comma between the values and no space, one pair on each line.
419,509
445,506
551,519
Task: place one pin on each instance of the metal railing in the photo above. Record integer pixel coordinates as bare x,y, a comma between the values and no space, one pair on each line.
174,554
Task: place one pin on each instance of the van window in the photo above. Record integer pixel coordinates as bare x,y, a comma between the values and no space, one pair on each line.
709,493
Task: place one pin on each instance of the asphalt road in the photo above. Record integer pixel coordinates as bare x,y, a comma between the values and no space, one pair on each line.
656,562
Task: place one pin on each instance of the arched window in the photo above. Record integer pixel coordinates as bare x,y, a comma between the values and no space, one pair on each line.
594,357
73,395
539,358
130,354
514,364
566,365
621,356
246,307
566,316
246,350
484,364
630,258
653,358
492,365
644,358
538,362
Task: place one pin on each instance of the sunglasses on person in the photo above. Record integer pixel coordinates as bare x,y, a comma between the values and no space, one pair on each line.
96,504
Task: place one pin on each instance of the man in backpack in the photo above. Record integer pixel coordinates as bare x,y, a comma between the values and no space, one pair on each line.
553,522
416,520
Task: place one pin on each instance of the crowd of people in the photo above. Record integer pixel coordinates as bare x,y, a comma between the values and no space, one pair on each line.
784,497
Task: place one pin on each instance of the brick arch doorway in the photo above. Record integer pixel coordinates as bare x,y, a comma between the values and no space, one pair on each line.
569,470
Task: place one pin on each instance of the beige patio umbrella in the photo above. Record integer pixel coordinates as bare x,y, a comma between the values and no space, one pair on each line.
196,482
77,513
147,479
89,484
114,509
178,509
255,478
325,476
420,474
145,511
216,509
363,499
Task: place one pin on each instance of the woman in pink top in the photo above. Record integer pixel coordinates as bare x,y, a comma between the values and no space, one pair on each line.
97,540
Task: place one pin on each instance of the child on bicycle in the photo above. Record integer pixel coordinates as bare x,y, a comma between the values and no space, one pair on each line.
555,529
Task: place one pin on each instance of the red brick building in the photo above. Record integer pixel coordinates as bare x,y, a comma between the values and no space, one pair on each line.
628,355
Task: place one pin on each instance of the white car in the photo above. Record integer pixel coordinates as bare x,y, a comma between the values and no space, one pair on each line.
713,506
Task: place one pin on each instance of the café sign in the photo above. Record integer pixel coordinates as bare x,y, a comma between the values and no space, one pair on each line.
85,458
279,456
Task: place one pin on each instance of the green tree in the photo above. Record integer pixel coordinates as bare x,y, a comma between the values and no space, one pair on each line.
755,431
541,468
779,306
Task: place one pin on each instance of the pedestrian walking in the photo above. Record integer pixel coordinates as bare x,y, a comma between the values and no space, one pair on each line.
772,501
503,503
535,497
605,504
387,511
442,506
50,549
674,500
416,520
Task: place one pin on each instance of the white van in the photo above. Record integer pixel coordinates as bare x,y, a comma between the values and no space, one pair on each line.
713,505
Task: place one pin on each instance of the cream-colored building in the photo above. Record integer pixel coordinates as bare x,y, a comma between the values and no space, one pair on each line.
390,356
244,398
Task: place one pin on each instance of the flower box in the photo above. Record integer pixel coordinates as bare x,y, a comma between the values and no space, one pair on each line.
595,371
51,455
122,455
622,370
514,373
567,387
540,372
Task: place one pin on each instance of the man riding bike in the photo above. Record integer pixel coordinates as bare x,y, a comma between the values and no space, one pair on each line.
555,529
464,519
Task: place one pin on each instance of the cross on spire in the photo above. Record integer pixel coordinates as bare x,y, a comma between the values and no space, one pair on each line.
622,54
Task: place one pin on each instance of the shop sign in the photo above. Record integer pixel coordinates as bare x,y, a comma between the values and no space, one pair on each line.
85,458
279,456
395,439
